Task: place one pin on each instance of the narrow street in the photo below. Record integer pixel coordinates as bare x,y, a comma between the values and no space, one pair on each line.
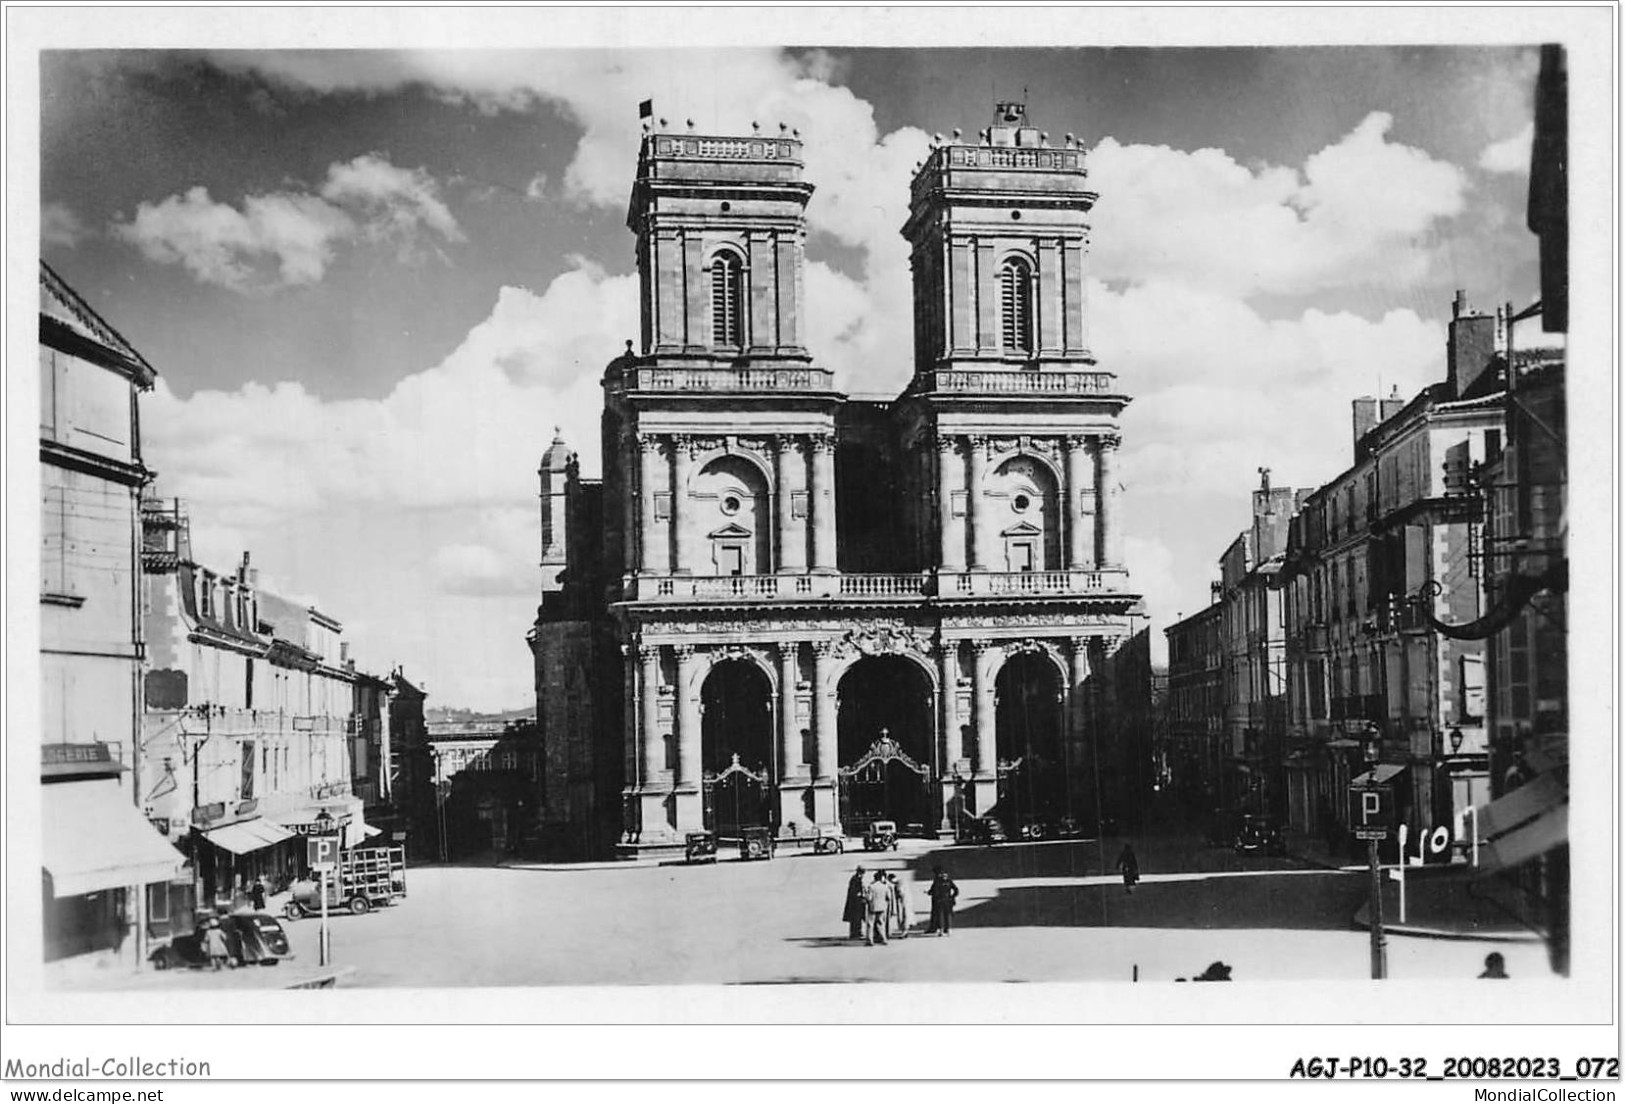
1027,912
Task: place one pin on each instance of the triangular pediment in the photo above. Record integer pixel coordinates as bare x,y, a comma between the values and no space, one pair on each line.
1022,529
731,530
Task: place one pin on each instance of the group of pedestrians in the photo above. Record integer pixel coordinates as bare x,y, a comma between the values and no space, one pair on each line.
878,906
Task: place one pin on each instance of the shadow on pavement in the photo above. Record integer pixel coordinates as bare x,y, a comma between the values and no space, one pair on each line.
1308,902
824,941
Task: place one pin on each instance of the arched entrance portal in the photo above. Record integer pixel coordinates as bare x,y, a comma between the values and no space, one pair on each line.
884,740
736,747
1032,771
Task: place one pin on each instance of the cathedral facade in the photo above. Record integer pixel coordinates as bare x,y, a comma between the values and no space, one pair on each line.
784,606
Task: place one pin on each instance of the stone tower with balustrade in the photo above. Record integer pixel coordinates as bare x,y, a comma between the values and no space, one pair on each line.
811,612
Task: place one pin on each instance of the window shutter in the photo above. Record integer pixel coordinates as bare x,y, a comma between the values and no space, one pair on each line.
1015,306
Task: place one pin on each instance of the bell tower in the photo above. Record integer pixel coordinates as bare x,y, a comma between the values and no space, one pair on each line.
999,233
721,229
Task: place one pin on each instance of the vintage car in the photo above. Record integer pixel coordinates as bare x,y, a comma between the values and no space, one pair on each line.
984,830
250,938
828,843
1255,834
880,836
700,847
757,843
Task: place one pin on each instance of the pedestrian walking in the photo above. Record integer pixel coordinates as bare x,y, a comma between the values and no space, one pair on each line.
1129,866
902,914
856,911
943,894
877,898
214,944
1495,966
256,895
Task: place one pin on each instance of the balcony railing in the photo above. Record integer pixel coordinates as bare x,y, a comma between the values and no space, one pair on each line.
964,584
1020,381
734,379
1047,583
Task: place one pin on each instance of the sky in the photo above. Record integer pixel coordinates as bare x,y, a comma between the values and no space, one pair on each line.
373,281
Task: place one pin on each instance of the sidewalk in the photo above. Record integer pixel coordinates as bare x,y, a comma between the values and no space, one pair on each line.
1441,902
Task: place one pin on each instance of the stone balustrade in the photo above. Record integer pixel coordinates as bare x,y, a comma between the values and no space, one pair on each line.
712,380
1022,382
954,584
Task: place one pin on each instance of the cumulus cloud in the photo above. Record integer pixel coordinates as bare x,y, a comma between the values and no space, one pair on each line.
1185,244
396,203
1510,155
286,239
1357,212
60,226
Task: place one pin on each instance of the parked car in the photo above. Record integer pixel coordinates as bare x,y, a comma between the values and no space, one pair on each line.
185,952
250,938
757,843
881,836
828,843
700,847
260,936
1256,833
985,830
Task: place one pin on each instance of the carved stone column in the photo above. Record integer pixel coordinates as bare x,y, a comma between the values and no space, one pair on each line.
823,503
1109,504
652,537
793,777
682,461
792,538
653,779
826,773
790,764
984,784
974,510
649,740
985,761
952,739
1080,527
1076,697
950,478
690,813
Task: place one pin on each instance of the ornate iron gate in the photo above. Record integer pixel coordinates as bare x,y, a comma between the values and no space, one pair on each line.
886,783
737,797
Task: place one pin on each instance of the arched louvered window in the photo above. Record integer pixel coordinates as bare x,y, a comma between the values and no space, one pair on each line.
1016,306
727,301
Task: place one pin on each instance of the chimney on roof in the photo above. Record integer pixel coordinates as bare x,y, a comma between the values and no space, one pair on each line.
1469,346
1393,404
1365,417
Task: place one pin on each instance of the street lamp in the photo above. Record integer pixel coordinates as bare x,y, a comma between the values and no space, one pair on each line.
1455,741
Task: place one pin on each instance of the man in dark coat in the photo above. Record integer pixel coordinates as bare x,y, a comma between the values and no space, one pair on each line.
856,912
1129,867
943,894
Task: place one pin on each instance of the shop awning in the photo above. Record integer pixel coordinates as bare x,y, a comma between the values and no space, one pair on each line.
1524,824
247,836
1378,775
94,840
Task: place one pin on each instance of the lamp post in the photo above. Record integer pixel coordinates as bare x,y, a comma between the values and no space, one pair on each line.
1371,739
324,828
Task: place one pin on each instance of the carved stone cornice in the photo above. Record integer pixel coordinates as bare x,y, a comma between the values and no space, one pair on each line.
882,638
